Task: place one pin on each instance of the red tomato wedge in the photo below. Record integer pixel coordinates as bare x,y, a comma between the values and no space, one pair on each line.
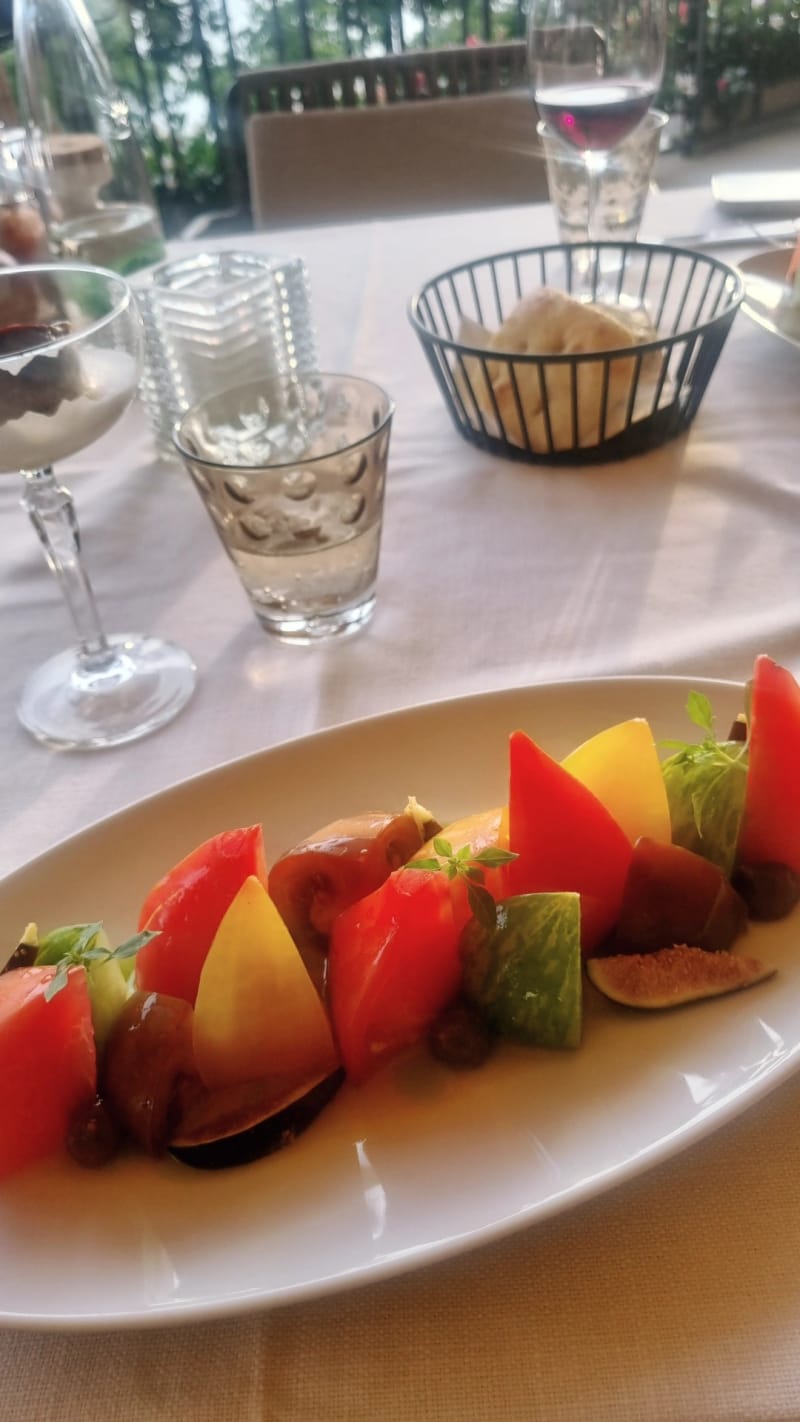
770,831
393,965
47,1063
393,961
187,906
565,840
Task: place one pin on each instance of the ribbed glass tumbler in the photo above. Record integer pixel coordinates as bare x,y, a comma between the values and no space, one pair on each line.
217,320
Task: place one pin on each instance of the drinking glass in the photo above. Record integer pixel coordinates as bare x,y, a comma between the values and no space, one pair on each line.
91,175
594,67
292,472
23,235
218,319
70,355
625,183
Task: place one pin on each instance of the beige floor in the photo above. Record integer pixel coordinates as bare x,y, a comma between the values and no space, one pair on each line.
775,151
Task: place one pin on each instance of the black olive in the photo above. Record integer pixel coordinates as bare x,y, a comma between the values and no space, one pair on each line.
460,1037
24,956
770,891
738,730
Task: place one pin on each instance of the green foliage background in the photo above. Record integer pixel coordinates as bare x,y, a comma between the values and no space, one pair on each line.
176,61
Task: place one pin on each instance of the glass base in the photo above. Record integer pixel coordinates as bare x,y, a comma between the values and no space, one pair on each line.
140,686
318,627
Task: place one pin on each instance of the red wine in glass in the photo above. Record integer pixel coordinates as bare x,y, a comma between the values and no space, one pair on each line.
596,116
594,67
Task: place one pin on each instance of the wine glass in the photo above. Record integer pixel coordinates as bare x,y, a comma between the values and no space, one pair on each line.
70,355
595,67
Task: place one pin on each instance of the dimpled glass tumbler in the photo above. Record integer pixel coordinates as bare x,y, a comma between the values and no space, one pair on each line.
292,472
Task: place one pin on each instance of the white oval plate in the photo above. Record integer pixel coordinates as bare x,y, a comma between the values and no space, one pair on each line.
766,292
421,1163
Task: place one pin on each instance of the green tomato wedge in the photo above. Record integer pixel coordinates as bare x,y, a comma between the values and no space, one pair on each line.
705,787
108,993
106,978
524,975
705,784
61,942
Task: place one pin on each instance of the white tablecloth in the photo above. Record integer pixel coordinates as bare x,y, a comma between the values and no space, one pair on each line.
676,1296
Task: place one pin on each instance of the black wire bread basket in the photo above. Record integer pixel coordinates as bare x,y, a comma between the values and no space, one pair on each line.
592,406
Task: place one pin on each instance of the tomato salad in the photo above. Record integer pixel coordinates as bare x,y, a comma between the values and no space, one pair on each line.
250,993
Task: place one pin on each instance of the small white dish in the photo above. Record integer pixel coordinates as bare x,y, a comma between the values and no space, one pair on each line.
756,194
421,1163
767,293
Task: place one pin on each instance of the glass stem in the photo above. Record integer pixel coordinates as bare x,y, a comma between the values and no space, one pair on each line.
596,166
593,278
52,513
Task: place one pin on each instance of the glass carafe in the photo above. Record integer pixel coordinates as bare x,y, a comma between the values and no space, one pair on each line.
100,207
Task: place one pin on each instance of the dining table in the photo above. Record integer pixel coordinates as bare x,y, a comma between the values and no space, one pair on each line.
673,1296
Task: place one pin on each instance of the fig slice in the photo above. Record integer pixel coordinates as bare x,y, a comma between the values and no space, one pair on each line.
673,976
235,1125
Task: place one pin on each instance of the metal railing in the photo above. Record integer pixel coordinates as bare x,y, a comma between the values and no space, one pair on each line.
387,79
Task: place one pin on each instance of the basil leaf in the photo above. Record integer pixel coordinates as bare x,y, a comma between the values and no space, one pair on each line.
699,709
66,942
492,858
131,946
57,982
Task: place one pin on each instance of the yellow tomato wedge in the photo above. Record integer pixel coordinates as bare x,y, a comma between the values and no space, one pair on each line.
483,830
486,829
621,767
257,1012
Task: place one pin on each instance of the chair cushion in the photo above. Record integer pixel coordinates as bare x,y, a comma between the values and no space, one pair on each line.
329,165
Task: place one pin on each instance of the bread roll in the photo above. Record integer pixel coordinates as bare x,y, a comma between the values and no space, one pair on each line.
570,395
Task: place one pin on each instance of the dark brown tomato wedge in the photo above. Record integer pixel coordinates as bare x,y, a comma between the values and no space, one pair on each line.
148,1052
93,1136
460,1037
770,891
237,1125
338,865
674,896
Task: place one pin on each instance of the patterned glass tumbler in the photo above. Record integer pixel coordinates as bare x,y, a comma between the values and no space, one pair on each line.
217,320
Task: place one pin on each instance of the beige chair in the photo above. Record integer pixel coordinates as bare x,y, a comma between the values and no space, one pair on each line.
333,165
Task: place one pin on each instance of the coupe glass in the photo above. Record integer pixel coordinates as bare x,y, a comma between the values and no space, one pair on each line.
595,67
70,352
